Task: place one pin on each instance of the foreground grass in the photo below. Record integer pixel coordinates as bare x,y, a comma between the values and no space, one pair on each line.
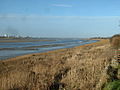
77,68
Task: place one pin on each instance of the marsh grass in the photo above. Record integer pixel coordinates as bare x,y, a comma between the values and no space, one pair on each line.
68,69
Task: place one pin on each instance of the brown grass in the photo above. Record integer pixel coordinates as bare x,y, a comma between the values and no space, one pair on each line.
78,68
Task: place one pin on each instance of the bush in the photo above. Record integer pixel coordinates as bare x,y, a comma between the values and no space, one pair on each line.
115,85
115,41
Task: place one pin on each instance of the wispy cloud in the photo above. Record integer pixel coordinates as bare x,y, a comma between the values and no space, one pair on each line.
61,5
25,17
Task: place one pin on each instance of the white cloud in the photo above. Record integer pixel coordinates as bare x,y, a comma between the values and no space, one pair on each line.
22,16
61,5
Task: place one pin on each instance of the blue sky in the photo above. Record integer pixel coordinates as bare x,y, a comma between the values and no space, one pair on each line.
60,18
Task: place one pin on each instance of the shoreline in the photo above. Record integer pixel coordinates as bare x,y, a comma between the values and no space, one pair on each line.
53,51
35,48
22,40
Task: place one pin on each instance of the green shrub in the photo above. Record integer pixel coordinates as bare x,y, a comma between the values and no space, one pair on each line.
115,85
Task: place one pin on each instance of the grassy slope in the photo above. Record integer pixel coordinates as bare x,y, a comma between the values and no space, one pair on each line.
70,69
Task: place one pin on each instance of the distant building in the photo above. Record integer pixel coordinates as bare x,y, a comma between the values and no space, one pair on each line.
6,35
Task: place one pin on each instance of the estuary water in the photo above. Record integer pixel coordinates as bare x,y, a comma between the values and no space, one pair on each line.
13,49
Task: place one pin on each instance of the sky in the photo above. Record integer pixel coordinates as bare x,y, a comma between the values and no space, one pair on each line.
60,18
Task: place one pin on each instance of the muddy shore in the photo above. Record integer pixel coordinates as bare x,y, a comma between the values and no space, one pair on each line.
78,68
33,47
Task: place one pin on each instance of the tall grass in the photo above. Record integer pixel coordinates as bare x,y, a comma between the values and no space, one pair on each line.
68,69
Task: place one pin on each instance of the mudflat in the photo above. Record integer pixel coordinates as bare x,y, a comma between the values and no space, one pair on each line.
78,68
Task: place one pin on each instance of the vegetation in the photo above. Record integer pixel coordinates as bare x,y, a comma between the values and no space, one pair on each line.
113,82
66,69
115,41
115,85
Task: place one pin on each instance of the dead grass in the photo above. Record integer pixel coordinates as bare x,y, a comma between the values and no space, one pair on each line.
115,41
78,68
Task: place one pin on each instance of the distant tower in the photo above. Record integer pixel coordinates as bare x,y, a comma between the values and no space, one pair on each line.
5,35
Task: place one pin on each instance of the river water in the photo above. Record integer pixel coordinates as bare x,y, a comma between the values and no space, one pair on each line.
13,49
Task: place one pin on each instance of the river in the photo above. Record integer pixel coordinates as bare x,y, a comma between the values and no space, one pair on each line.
13,49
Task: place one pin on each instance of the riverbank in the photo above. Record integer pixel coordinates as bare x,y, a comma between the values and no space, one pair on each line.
10,40
78,68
